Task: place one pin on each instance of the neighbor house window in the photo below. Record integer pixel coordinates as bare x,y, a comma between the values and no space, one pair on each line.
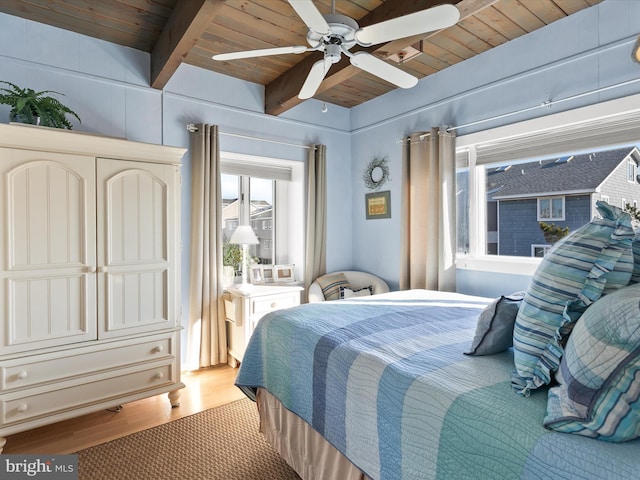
632,170
539,250
551,208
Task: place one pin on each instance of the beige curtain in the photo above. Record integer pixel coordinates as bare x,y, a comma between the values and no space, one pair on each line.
429,212
316,234
207,339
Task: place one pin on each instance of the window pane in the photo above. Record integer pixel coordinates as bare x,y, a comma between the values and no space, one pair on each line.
560,193
230,206
631,170
262,219
462,210
545,208
556,208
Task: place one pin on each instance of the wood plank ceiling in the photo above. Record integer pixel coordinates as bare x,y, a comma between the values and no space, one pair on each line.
191,31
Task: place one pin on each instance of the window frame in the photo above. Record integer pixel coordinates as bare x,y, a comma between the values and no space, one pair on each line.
582,130
289,216
632,170
544,246
551,218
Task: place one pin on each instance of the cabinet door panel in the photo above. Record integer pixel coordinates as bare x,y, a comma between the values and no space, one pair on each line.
48,288
137,270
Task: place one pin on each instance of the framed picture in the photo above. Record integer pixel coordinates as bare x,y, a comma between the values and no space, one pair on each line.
378,205
267,273
284,273
255,274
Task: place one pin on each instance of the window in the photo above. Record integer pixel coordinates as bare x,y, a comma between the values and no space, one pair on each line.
632,170
521,219
500,206
539,250
268,195
551,208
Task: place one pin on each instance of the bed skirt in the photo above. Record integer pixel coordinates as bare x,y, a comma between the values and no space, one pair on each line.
304,449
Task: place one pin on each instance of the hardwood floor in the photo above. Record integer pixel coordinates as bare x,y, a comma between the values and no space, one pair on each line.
204,389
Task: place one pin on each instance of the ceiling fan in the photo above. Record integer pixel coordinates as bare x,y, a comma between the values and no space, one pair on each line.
334,34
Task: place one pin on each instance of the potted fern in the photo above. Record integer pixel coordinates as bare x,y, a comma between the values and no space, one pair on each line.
36,108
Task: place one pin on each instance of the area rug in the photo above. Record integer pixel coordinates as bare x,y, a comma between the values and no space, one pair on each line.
222,443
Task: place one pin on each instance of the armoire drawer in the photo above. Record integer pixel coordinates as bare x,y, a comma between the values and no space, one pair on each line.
35,370
37,402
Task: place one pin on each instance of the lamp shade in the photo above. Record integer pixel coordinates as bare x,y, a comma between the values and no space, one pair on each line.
244,235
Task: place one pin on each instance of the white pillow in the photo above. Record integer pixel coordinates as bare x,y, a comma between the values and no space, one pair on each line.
346,292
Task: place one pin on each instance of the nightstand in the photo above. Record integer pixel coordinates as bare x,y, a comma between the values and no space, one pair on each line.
243,310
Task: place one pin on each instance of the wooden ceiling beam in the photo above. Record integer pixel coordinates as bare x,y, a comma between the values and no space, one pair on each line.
282,93
188,21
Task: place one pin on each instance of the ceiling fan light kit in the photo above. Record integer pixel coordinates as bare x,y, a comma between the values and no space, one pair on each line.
335,34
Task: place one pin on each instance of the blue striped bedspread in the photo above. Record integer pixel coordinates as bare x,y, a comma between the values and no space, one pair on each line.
384,379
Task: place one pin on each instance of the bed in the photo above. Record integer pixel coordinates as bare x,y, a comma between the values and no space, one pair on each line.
380,387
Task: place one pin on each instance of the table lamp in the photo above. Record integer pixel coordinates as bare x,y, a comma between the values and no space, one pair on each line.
244,235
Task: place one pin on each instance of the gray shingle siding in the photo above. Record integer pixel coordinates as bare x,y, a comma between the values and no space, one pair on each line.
617,188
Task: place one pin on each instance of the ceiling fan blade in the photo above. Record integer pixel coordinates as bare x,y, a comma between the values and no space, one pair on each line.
382,69
310,15
314,79
424,21
259,53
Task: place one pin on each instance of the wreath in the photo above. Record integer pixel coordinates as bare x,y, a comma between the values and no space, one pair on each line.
377,173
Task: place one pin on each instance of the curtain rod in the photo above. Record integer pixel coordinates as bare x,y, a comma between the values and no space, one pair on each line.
191,127
548,104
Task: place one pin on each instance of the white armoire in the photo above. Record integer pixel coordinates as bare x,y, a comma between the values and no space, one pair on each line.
89,274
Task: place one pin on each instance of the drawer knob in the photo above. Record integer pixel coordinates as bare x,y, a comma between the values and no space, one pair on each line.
274,304
21,375
23,407
158,349
158,376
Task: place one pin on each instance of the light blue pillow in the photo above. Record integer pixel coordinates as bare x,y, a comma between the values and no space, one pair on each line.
599,376
635,248
594,260
494,330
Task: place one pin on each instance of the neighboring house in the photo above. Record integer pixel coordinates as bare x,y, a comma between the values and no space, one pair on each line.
262,224
562,191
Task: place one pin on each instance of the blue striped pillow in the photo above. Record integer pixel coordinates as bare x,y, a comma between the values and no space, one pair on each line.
598,389
635,248
594,260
